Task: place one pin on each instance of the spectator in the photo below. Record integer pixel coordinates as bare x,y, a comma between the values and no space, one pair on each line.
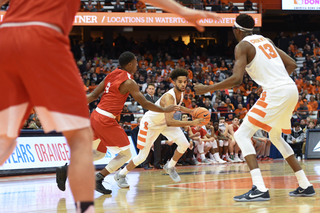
232,8
169,62
304,69
99,7
118,7
241,111
133,107
90,7
247,5
303,110
296,139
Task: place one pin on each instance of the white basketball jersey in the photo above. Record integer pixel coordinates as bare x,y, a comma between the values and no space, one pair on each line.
158,118
266,68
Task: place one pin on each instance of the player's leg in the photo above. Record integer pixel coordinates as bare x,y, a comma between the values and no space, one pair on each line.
258,192
175,134
305,188
80,145
145,141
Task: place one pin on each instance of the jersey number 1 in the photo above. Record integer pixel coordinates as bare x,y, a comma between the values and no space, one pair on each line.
107,87
269,47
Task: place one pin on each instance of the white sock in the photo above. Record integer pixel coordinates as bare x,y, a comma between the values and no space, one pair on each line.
124,171
216,156
172,163
258,180
223,156
211,156
302,179
202,156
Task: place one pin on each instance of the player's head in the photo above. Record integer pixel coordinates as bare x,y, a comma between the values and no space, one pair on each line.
151,89
216,125
222,120
235,120
243,26
128,62
208,125
184,117
179,77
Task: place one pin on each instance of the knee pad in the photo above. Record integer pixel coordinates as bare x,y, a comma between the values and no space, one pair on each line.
119,160
182,147
243,138
143,154
282,146
97,155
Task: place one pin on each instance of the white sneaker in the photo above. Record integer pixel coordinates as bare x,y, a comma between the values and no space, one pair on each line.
237,159
172,172
242,158
121,180
206,161
229,159
299,158
221,161
213,161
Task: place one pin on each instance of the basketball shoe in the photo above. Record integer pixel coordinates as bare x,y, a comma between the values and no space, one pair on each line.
300,192
253,195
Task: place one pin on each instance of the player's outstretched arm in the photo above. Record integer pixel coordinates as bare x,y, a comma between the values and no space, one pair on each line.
241,51
132,87
95,93
168,100
192,16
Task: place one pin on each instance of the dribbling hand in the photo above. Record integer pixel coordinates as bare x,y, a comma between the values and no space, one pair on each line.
200,89
197,122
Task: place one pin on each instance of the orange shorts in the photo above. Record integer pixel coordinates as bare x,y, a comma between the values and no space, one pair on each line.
37,69
110,133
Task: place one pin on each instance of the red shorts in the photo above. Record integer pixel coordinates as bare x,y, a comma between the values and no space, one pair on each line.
37,69
109,132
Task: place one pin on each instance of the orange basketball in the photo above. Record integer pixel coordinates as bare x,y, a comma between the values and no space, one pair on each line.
201,112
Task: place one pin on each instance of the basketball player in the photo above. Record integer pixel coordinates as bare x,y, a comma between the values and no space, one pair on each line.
270,67
154,123
233,144
108,134
37,65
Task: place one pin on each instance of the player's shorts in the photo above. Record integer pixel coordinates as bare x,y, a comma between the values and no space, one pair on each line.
149,132
37,69
112,136
274,109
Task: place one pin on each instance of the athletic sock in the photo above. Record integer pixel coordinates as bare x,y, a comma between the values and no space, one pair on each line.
258,180
302,179
211,156
84,206
124,171
216,156
202,156
172,163
99,176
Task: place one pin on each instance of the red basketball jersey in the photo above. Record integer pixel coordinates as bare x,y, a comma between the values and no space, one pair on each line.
235,128
112,100
58,12
202,131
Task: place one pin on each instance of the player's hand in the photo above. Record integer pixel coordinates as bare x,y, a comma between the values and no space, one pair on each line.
169,142
191,146
197,122
200,89
171,108
192,16
197,134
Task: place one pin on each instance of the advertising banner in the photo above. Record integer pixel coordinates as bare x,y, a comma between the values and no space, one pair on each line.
46,152
300,4
149,19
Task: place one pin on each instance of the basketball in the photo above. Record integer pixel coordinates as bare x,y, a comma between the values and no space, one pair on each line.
201,112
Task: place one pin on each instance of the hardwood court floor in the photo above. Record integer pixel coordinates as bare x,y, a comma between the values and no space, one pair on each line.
202,189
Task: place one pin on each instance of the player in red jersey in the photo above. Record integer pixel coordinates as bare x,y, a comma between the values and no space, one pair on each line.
38,68
108,134
233,144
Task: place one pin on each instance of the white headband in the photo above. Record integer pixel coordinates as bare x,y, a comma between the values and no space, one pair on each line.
242,28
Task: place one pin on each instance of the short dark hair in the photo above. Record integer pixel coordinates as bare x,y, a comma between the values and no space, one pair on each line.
222,118
296,124
125,58
178,72
245,20
151,84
